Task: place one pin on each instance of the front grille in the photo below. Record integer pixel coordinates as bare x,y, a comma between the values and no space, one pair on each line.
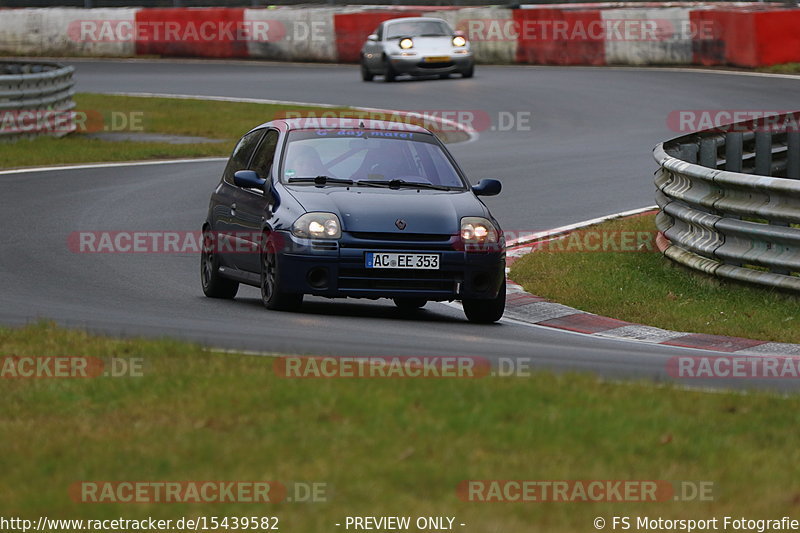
399,241
417,237
442,64
388,279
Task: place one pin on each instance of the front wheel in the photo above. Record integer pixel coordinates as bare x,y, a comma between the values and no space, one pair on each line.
271,294
486,311
469,72
389,73
366,75
214,285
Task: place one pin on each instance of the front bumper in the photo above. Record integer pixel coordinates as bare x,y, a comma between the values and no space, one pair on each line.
416,65
336,269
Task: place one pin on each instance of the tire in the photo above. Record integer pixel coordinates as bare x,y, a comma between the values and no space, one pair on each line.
486,311
410,304
214,285
469,72
366,75
389,74
271,295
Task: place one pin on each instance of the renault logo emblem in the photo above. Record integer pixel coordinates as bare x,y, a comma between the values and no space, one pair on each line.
400,223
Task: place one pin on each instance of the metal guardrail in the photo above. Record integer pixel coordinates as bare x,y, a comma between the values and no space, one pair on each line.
730,201
35,99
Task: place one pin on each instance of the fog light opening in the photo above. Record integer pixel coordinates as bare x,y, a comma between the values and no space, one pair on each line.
318,278
480,282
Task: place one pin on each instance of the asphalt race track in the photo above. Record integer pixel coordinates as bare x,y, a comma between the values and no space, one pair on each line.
587,154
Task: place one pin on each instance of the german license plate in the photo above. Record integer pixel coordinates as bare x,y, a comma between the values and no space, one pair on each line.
400,260
437,59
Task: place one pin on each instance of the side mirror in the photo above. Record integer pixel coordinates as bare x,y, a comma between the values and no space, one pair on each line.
248,179
372,37
487,187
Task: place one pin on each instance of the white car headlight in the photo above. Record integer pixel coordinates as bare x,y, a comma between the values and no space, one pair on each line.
478,230
459,41
317,226
406,43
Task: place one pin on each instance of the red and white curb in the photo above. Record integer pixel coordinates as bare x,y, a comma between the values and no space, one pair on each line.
525,307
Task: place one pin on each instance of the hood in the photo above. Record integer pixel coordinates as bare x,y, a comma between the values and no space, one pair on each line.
433,46
377,210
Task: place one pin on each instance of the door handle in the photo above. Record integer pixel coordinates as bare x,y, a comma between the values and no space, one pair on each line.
233,207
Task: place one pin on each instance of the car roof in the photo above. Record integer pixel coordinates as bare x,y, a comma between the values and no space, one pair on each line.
325,123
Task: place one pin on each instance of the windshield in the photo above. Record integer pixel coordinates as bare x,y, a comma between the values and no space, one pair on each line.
371,157
418,28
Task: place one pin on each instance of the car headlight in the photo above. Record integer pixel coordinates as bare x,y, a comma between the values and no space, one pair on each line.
317,226
478,230
406,43
459,41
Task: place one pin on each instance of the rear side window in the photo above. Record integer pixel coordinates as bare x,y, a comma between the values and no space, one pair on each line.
265,155
241,154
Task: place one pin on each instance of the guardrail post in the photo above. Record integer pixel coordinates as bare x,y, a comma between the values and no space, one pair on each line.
688,152
763,153
733,151
708,152
793,155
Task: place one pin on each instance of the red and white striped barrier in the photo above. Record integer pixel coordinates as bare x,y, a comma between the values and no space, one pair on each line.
743,34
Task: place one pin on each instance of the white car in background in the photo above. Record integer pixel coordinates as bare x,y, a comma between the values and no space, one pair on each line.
419,46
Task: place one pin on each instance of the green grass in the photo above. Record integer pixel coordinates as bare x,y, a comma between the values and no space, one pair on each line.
222,121
382,446
646,288
783,68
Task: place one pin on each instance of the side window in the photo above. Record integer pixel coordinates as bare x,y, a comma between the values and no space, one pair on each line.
379,32
265,155
241,154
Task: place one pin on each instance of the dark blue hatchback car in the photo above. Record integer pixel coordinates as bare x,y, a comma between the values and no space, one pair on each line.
348,208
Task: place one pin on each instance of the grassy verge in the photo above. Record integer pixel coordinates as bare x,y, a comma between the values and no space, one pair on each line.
646,288
784,68
222,121
382,446
225,122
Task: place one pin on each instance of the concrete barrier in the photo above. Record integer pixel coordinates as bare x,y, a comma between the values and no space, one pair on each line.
67,32
649,36
206,32
294,34
741,34
560,37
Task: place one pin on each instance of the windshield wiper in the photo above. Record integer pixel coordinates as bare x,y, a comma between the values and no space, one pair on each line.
396,184
321,180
